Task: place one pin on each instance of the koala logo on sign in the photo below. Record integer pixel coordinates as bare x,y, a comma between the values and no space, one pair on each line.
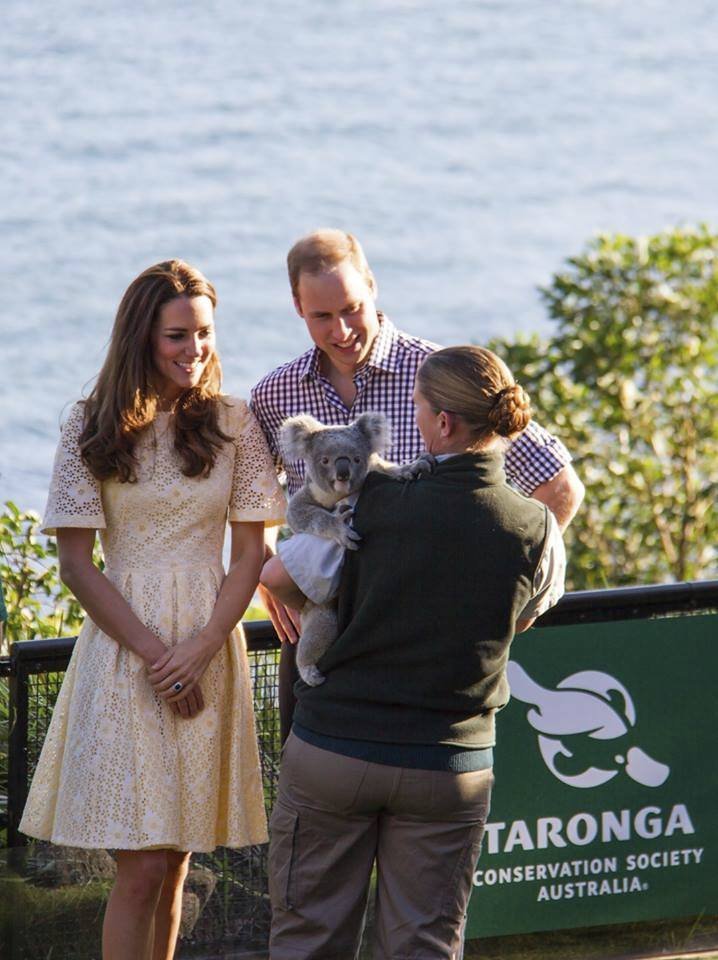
588,703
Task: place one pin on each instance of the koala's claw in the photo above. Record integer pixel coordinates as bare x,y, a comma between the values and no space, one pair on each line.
348,537
418,468
345,511
311,675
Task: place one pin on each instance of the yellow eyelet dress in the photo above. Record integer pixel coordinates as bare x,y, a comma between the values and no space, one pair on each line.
118,768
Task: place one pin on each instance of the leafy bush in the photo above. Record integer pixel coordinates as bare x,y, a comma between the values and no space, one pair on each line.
42,922
38,603
629,381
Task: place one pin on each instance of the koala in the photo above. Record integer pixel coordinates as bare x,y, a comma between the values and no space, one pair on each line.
337,460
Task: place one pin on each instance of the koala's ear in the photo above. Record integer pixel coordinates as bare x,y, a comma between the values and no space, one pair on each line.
295,434
375,427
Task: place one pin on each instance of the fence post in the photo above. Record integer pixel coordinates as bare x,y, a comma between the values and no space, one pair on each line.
17,747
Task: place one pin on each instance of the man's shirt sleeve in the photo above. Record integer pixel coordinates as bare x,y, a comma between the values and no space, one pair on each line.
534,458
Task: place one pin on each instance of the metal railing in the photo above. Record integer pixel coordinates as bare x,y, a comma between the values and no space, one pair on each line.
632,603
33,668
237,911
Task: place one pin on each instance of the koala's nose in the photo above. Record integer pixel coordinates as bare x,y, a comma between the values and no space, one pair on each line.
343,468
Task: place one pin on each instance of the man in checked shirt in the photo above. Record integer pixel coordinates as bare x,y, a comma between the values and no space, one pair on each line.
360,362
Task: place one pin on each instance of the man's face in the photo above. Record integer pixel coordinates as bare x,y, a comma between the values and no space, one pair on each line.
339,309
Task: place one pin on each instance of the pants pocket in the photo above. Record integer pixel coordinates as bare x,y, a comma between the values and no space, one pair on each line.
283,857
458,890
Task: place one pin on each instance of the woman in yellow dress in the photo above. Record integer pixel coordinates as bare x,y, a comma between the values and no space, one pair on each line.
152,748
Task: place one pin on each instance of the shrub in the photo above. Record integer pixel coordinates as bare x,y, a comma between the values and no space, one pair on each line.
629,380
38,603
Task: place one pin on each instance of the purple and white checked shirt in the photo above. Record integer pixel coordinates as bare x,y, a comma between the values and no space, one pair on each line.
384,383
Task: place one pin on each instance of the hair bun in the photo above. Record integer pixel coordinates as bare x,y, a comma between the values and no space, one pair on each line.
511,411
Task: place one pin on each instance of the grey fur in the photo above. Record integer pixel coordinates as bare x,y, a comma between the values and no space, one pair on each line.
337,460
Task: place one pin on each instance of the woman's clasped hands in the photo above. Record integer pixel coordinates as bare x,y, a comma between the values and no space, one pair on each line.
176,675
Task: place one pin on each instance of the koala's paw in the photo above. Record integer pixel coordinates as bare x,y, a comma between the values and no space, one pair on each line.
343,532
311,675
347,537
420,467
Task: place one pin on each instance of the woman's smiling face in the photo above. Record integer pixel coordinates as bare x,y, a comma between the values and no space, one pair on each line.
182,344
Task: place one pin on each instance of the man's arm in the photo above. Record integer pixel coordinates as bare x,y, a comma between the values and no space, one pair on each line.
275,579
562,495
540,466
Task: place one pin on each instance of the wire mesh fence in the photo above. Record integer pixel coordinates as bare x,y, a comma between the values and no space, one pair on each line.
42,691
57,894
237,911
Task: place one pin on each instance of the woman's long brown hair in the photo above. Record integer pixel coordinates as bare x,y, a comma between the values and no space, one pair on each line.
124,400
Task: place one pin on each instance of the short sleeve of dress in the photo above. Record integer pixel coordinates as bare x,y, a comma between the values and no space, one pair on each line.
75,498
256,493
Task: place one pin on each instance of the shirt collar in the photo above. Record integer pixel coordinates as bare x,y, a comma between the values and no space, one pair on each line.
309,369
385,350
384,354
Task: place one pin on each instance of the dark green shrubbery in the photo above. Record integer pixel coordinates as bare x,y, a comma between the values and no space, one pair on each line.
629,380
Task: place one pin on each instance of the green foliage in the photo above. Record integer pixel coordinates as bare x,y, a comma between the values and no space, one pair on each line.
38,603
44,922
629,380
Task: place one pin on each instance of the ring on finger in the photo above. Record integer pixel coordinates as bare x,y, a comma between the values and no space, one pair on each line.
177,687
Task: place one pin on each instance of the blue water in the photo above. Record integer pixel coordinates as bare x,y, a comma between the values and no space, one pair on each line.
472,146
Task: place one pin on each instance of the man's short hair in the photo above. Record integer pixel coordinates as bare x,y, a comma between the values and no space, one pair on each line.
323,250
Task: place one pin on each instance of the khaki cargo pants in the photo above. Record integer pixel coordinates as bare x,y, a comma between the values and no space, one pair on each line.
334,817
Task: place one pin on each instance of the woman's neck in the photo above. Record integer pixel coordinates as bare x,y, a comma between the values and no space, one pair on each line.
454,447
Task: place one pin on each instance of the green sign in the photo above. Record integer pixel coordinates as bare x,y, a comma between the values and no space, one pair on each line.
604,809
